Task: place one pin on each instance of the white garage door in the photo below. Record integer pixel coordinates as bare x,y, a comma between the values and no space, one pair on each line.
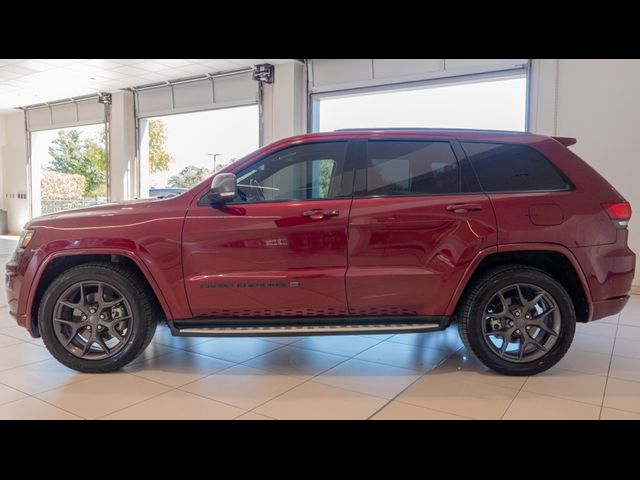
331,75
73,113
208,93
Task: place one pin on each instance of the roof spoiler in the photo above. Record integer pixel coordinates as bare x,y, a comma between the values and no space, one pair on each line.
566,141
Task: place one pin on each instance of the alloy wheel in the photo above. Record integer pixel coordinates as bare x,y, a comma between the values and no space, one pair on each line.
521,323
92,320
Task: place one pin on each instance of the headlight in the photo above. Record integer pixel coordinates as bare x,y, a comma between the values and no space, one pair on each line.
25,238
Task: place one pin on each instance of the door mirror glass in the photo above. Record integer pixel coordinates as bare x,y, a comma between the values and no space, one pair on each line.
223,188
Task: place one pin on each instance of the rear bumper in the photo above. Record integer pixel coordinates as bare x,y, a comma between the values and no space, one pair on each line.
607,308
609,271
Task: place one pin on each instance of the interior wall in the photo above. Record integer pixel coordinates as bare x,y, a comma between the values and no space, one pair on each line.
3,141
14,171
597,102
284,105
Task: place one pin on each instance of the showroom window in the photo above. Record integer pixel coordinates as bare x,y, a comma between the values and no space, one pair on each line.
69,168
189,129
179,151
68,154
489,103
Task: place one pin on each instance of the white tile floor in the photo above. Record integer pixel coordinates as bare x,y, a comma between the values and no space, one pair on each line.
410,376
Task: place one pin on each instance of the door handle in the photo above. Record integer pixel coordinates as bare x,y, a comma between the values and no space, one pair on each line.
319,214
463,207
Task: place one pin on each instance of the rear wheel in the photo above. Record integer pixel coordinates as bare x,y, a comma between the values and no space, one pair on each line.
96,317
517,320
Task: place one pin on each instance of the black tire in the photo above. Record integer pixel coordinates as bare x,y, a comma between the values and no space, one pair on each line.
471,316
132,288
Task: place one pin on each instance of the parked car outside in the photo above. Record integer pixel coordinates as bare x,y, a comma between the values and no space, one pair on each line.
165,192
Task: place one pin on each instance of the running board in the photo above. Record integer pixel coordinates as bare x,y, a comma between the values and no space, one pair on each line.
224,327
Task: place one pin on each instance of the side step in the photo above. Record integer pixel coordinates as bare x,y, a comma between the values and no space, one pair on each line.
240,327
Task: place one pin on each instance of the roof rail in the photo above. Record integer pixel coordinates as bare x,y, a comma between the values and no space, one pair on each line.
429,129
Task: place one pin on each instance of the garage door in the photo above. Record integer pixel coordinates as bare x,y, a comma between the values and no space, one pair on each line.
207,93
331,75
71,113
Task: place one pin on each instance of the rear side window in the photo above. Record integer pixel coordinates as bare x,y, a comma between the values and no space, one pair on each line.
411,168
512,168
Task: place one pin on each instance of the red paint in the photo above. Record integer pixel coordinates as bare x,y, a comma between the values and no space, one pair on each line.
553,247
270,243
407,251
546,214
362,256
566,141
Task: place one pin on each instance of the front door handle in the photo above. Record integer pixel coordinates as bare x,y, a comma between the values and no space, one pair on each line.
463,207
319,214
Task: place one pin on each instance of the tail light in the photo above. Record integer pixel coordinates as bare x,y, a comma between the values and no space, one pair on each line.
619,212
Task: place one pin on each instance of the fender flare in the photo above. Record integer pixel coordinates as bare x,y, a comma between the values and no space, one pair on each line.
519,247
94,251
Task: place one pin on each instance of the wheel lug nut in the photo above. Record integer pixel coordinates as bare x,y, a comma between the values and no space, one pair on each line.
93,310
101,317
517,314
84,317
518,332
528,317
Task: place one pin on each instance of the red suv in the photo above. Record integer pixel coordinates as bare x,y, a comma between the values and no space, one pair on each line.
360,231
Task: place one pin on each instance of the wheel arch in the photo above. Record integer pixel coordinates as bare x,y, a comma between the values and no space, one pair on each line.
58,262
556,260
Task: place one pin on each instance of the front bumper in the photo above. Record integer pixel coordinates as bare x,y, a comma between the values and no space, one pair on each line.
17,286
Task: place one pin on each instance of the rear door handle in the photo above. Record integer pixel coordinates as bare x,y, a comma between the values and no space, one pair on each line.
463,207
319,214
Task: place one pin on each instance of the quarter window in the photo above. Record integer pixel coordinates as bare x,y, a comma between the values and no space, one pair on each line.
512,168
411,168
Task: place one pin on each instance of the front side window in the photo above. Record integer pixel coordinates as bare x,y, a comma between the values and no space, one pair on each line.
411,168
304,172
512,168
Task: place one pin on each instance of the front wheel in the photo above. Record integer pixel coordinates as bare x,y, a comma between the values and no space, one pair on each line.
96,317
517,320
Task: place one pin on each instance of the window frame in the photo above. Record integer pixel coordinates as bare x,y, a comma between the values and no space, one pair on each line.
360,184
343,173
570,185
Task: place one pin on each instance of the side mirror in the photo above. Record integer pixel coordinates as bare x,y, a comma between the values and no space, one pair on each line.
223,188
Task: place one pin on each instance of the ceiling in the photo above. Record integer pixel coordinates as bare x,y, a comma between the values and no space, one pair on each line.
27,82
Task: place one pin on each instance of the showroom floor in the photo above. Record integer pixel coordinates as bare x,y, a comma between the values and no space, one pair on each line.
408,376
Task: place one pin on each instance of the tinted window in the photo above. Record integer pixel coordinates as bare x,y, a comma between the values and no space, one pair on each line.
508,168
303,172
411,168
